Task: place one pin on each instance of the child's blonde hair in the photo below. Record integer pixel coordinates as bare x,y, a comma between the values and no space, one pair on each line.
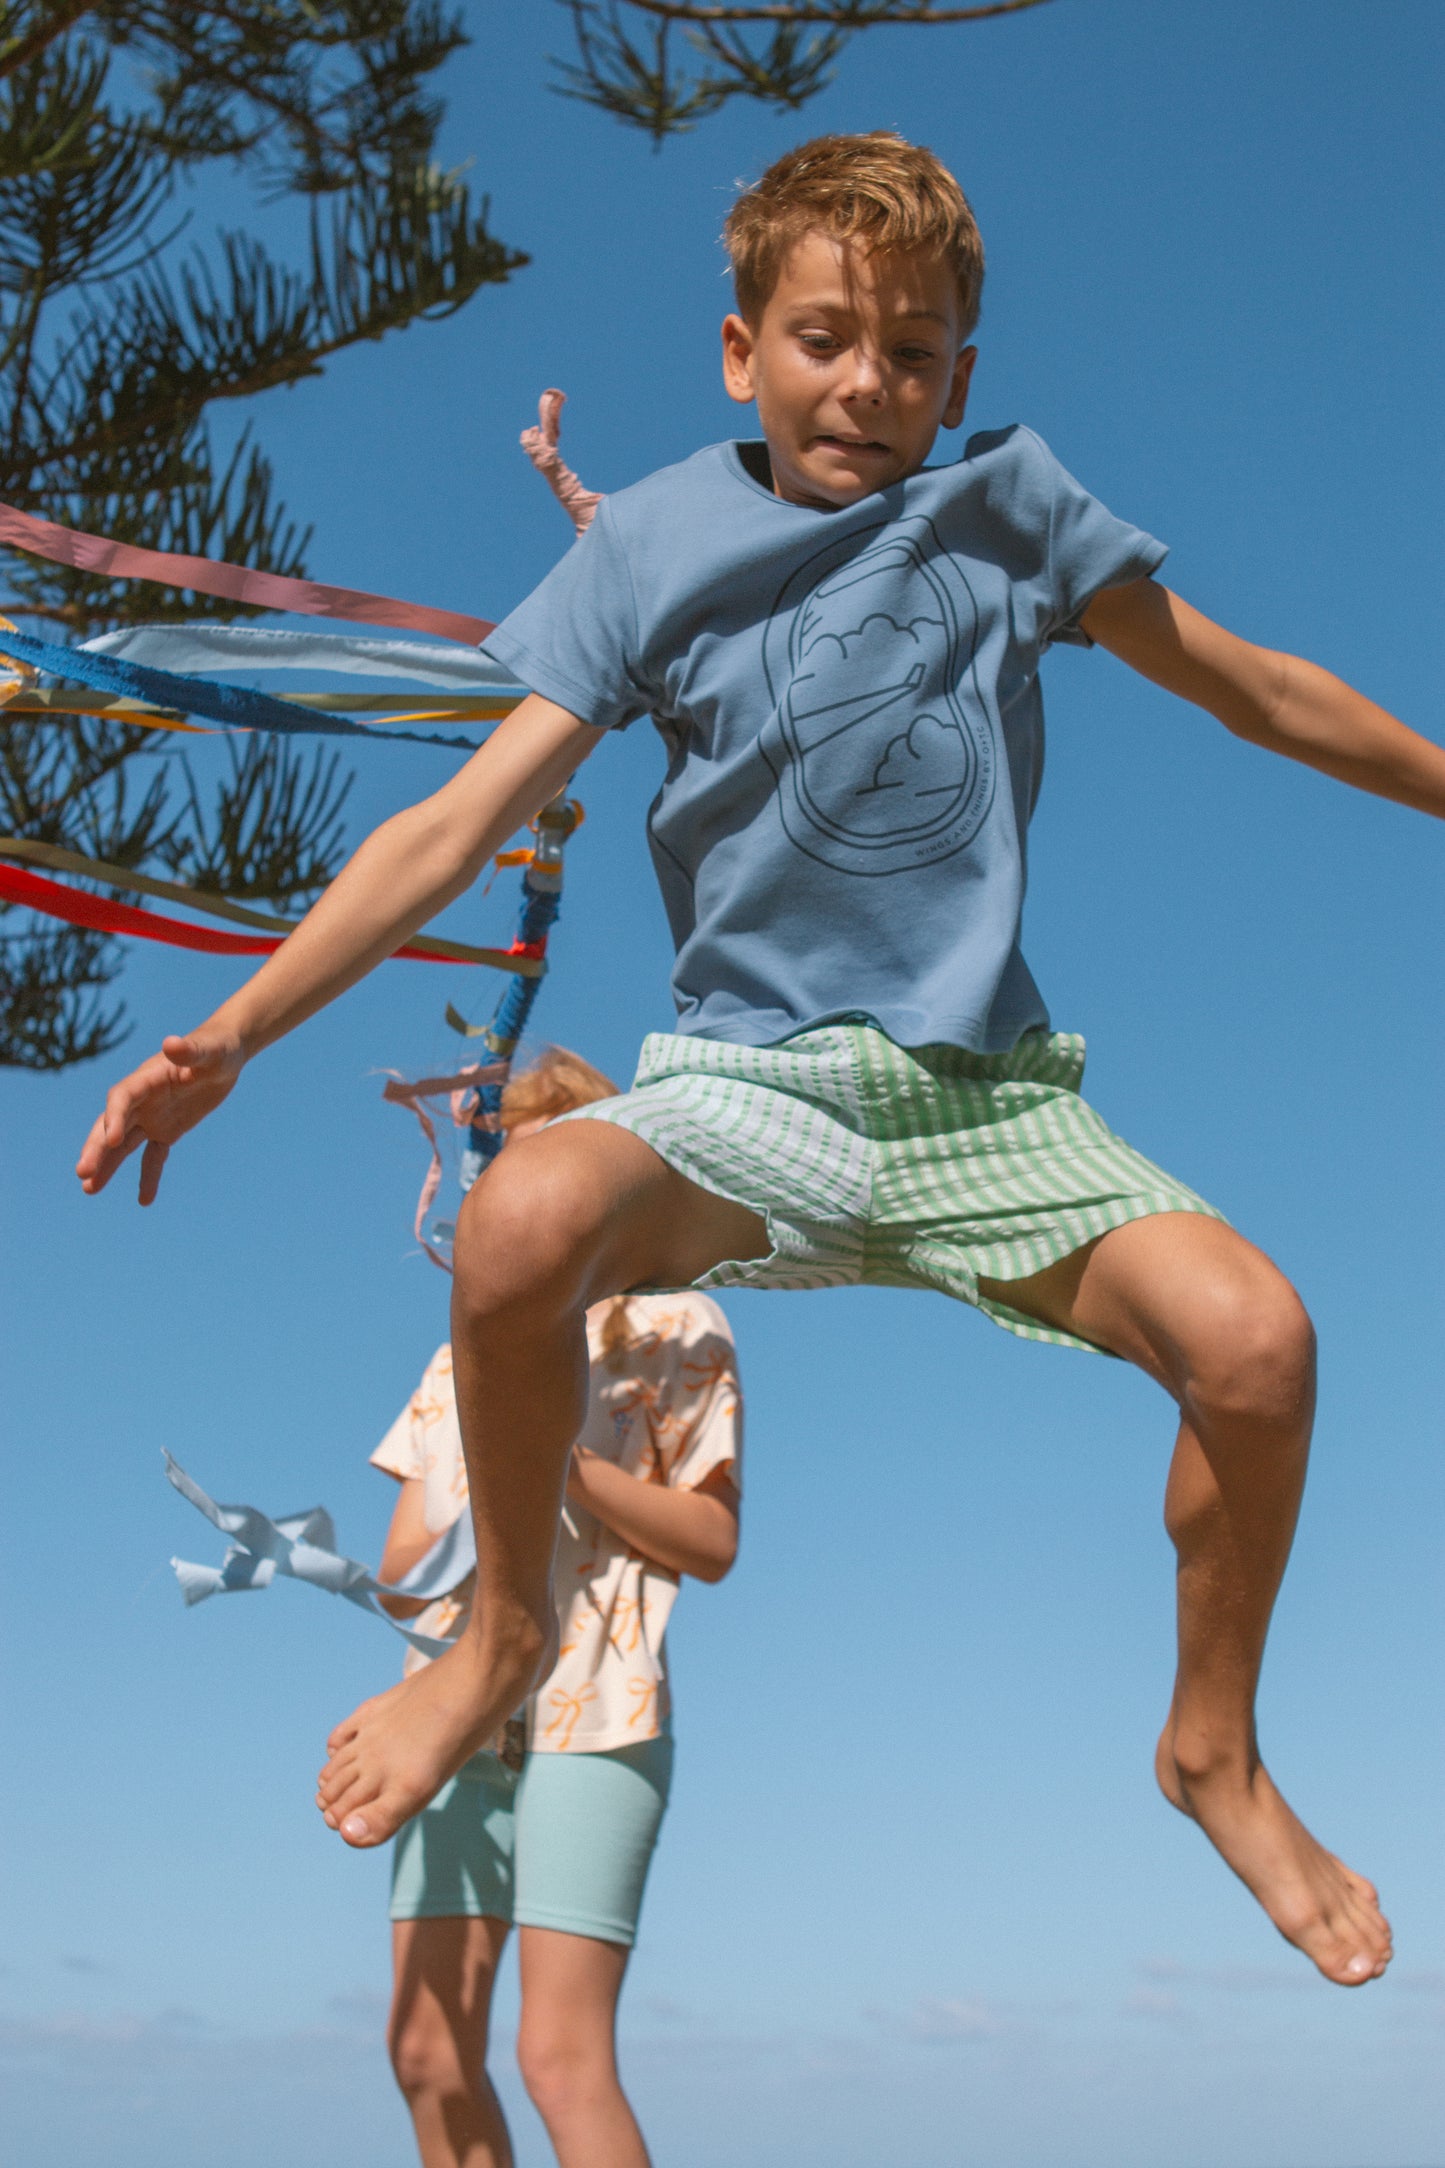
877,189
555,1082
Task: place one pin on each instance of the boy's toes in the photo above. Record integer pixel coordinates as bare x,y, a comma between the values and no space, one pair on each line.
1365,1949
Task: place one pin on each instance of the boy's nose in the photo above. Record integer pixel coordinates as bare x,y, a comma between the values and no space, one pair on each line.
865,376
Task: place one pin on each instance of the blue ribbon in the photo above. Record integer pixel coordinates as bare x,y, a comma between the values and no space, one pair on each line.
302,1547
238,648
538,914
235,706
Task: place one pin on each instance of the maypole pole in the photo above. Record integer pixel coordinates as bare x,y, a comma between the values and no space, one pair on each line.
542,880
541,901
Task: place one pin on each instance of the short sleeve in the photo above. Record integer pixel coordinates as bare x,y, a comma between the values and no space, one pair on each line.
713,1435
575,639
402,1452
1088,549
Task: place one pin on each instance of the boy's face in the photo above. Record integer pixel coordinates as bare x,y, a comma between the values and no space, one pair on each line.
855,366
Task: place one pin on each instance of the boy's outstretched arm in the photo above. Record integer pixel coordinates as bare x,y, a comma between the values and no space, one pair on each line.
1274,700
403,874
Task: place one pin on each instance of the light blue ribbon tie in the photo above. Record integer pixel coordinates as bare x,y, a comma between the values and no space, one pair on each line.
302,1547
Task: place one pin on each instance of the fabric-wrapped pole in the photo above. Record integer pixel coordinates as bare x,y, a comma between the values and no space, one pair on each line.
541,901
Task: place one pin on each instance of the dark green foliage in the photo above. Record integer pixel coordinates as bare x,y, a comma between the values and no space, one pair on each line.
118,334
664,65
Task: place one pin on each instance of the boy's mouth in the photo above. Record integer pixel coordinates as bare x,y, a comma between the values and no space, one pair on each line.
853,446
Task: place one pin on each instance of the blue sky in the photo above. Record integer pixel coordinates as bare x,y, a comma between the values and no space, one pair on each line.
916,1899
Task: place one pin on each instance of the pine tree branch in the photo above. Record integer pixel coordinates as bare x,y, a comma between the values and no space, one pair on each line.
103,423
55,20
842,14
178,503
776,52
51,1016
145,363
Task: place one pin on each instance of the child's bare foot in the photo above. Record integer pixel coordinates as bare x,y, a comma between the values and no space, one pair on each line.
396,1751
1330,1913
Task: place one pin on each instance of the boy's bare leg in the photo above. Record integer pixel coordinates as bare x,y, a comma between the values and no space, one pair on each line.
558,1221
1223,1332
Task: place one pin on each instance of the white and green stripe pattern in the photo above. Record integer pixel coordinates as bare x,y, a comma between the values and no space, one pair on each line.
870,1163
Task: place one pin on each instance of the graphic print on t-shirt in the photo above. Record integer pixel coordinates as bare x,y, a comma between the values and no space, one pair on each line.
878,739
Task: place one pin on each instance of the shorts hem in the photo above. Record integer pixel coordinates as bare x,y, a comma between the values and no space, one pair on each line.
424,1911
790,1263
1037,1176
1124,1214
572,1923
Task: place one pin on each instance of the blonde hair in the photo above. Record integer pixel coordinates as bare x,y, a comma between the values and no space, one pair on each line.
555,1082
879,190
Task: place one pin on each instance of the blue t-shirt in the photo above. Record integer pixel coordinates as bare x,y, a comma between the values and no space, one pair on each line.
851,709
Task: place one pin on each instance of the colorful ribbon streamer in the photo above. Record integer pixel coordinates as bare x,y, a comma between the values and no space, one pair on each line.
76,907
461,1091
201,646
230,583
540,443
387,707
235,706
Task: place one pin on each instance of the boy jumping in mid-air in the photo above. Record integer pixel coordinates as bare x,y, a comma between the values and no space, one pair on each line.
839,646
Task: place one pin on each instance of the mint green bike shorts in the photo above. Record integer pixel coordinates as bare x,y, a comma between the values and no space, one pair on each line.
873,1163
564,1844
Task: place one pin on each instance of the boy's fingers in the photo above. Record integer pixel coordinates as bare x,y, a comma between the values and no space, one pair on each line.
123,1098
153,1160
101,1156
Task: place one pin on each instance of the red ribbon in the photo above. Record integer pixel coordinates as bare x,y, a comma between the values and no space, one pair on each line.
233,583
103,915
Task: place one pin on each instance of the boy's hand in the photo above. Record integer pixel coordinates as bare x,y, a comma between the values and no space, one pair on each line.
402,875
157,1103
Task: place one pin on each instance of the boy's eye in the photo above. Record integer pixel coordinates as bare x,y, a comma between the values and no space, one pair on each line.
915,356
819,342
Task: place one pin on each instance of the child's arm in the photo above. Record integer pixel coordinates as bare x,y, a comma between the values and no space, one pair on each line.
1277,701
687,1531
403,874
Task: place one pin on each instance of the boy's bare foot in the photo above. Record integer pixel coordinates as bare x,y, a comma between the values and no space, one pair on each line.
1330,1913
395,1752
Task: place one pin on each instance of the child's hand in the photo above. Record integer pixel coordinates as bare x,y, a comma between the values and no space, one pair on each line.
158,1103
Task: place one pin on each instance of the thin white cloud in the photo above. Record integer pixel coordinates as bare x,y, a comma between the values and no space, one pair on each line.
1229,1979
1159,2003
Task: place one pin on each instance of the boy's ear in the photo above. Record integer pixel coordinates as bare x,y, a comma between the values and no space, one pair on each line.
737,359
958,389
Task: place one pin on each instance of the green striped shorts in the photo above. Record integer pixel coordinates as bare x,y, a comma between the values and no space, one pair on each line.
891,1167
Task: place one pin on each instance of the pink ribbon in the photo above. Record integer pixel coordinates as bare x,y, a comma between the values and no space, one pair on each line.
461,1090
232,583
540,445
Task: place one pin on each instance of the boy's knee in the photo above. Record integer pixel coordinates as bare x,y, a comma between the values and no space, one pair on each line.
1259,1354
518,1237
